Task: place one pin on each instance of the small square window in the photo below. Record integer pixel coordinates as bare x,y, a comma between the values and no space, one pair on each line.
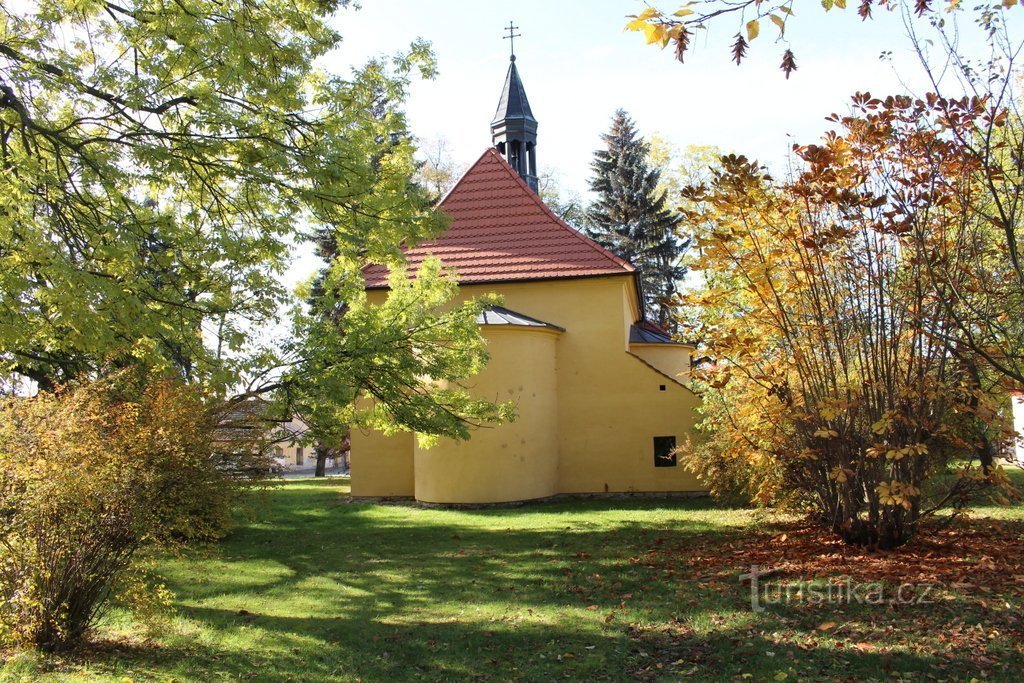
664,451
661,387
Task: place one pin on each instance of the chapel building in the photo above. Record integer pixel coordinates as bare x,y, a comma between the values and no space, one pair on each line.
602,394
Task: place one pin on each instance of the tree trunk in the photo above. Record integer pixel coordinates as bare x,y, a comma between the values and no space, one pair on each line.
984,448
321,461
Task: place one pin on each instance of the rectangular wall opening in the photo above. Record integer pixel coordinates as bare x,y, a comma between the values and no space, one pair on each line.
664,451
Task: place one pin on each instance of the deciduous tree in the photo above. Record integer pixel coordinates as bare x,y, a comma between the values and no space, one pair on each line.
394,366
837,381
157,161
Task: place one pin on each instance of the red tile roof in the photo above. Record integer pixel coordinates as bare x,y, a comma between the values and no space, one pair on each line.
501,231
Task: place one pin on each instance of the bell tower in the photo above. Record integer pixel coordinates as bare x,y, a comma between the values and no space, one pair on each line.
514,129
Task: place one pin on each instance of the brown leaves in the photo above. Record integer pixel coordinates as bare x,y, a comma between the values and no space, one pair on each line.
978,557
682,42
788,65
739,49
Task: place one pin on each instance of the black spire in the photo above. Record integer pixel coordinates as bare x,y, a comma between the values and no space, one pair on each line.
514,130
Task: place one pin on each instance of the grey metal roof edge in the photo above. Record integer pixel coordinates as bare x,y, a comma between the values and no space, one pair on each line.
503,312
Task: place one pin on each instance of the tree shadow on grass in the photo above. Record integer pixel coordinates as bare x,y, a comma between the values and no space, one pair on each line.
314,591
404,565
673,650
472,651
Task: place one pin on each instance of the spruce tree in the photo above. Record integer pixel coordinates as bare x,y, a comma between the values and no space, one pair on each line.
631,218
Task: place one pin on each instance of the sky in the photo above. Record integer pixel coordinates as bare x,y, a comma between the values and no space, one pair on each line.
578,66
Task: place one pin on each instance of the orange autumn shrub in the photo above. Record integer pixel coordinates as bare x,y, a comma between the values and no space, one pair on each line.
839,380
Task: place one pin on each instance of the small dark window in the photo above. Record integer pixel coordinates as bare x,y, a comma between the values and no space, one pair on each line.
299,460
664,451
661,387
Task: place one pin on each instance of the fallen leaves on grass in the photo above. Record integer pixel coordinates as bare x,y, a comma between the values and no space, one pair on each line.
984,554
972,575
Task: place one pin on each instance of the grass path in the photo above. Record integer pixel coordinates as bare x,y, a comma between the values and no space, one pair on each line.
310,588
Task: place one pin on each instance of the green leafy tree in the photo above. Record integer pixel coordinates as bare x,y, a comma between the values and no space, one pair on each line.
393,366
565,204
437,171
157,161
632,219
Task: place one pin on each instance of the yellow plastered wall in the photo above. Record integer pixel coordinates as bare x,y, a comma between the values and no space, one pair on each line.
609,403
381,465
672,359
512,461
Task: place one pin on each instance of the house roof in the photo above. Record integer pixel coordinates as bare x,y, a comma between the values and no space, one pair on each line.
498,315
646,332
501,231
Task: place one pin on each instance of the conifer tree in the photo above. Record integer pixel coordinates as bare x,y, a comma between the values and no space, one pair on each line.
631,219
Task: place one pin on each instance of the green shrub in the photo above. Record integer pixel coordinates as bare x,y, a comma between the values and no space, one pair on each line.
88,476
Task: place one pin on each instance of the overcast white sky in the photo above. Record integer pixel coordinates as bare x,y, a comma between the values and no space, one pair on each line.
578,66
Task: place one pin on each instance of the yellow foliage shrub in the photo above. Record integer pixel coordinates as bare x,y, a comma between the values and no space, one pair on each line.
88,476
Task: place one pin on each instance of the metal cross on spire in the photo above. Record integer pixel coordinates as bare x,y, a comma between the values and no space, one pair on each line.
512,35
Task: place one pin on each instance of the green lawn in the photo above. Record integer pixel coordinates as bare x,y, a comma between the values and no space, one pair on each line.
312,588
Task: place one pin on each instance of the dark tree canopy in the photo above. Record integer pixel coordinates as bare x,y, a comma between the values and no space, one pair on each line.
631,218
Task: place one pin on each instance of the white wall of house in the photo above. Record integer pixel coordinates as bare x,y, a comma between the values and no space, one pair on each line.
294,457
1018,424
291,454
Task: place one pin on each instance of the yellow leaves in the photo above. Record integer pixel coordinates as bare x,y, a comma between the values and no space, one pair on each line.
883,425
840,474
779,22
898,453
886,494
753,29
808,454
826,433
829,413
721,380
637,24
650,22
896,494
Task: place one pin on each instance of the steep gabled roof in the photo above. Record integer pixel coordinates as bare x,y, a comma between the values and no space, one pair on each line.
501,231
